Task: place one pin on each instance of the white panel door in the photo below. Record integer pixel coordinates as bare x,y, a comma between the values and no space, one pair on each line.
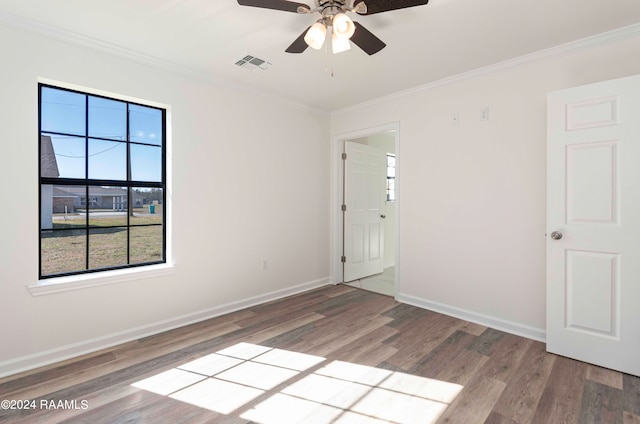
593,224
365,194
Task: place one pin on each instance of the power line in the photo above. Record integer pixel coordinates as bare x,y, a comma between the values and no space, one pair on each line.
91,155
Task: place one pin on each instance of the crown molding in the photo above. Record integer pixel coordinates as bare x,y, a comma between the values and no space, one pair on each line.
95,44
118,51
604,38
90,42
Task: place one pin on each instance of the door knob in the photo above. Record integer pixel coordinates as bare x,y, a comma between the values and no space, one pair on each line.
556,235
383,216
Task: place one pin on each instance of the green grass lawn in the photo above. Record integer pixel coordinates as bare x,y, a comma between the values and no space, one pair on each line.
65,251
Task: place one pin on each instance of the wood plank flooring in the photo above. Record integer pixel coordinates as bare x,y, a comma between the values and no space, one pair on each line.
332,355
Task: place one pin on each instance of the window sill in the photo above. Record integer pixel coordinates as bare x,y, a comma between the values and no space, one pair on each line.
62,284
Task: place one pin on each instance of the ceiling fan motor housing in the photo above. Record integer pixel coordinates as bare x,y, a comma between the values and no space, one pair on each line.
337,9
332,7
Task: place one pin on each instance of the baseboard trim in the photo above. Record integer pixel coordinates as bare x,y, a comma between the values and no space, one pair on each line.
48,357
486,320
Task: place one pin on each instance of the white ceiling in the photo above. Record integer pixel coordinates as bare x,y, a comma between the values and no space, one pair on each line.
424,44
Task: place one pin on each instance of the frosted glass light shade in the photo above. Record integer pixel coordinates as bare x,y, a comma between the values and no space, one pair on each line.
339,44
343,26
316,35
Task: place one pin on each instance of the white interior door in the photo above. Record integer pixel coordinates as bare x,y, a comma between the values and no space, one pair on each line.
593,224
364,193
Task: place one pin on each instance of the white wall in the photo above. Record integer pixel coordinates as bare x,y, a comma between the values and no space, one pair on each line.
472,207
250,182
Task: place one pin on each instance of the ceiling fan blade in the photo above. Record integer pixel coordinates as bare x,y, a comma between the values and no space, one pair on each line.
287,6
377,6
366,40
299,45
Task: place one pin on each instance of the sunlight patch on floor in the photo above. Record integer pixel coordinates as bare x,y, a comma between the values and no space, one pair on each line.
310,389
169,381
217,395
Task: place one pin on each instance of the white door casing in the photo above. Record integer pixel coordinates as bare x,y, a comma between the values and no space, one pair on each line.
364,194
593,204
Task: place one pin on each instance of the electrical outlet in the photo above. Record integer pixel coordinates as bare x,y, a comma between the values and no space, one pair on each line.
455,119
265,264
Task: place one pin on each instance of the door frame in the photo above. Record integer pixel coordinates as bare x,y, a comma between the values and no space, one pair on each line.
337,192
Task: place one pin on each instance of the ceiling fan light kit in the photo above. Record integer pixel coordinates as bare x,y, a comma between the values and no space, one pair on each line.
315,35
339,44
334,14
343,26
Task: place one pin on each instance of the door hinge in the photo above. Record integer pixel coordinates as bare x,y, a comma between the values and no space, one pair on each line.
344,156
344,208
343,259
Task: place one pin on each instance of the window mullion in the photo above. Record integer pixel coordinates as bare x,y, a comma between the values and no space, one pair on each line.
86,176
164,184
129,189
40,213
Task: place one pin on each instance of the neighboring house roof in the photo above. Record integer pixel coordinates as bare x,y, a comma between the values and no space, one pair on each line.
48,163
58,192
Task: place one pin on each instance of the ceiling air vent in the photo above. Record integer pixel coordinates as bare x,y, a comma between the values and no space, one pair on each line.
252,63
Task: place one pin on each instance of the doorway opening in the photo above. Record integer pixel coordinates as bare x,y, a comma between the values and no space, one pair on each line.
370,233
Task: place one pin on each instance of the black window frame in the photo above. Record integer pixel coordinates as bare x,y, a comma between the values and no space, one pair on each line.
87,183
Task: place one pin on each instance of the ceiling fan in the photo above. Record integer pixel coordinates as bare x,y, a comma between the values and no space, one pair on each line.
333,14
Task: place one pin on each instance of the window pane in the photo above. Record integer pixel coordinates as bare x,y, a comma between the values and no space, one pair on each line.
46,207
391,172
63,111
107,118
391,189
147,206
107,206
146,244
146,163
63,251
58,207
391,160
107,160
62,156
107,247
145,125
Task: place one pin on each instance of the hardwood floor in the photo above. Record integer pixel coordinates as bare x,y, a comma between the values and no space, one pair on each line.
332,355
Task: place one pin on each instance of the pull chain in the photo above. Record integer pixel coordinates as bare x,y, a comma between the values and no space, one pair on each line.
328,58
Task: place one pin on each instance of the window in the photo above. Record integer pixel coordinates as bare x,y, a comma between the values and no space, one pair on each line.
391,177
102,183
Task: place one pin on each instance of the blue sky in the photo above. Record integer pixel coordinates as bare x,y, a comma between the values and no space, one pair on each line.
65,112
